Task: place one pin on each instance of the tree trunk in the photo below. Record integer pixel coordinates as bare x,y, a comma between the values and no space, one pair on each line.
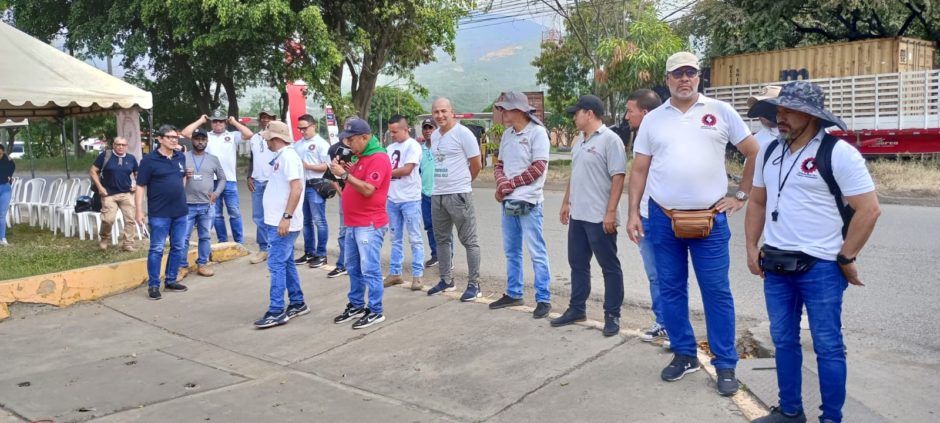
231,94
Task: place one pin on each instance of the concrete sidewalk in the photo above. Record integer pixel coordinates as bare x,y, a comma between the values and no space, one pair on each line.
195,356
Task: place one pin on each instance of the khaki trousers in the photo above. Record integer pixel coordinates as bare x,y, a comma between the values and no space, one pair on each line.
109,208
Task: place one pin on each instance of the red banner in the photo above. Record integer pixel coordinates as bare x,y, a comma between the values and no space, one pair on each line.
296,105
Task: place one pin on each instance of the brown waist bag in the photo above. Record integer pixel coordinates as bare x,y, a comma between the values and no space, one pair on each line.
691,224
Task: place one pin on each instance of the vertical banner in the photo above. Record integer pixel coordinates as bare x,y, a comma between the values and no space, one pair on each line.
296,105
331,126
128,126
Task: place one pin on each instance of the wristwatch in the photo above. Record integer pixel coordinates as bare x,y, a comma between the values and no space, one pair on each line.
344,176
741,196
843,260
287,216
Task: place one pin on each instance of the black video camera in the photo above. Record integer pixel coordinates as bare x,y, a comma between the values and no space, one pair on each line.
344,154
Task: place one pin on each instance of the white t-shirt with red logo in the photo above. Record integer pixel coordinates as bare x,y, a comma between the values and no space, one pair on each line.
807,216
225,147
287,167
313,151
688,152
405,188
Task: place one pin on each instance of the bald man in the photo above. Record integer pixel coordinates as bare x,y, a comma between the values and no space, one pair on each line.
457,163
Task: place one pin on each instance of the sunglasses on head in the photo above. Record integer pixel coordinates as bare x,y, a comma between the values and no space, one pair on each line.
688,72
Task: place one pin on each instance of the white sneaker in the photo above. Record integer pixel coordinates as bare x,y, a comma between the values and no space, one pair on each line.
4,242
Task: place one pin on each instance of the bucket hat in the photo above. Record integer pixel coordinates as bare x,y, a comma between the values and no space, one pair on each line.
277,129
801,96
514,100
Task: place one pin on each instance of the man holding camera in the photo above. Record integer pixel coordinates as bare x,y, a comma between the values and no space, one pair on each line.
314,152
364,203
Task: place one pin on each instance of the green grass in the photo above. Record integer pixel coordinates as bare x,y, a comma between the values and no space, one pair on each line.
35,251
48,164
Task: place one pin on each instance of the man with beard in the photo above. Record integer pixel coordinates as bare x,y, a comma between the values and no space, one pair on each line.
201,170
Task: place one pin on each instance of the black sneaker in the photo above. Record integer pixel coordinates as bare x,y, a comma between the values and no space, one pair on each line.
431,263
175,287
368,319
568,317
727,383
154,293
350,313
271,319
778,416
317,262
611,325
303,259
653,333
681,365
337,272
442,287
296,310
541,310
506,301
471,293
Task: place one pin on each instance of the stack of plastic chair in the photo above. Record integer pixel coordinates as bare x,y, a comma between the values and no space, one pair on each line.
30,193
46,211
15,188
64,213
33,209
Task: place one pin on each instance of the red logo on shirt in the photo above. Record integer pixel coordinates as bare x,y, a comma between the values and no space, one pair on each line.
277,165
228,139
374,176
709,120
312,147
809,165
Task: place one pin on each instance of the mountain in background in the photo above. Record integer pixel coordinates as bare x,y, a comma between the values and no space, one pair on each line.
489,60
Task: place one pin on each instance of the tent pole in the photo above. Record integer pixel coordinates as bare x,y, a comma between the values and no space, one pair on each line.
29,150
75,144
149,131
68,173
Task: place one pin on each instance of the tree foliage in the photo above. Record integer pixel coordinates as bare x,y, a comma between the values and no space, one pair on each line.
390,101
724,27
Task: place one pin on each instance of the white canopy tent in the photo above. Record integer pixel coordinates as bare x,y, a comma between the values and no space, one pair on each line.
37,81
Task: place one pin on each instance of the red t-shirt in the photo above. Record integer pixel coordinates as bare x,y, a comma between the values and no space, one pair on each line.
359,210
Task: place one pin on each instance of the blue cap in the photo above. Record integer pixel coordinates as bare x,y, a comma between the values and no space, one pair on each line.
355,127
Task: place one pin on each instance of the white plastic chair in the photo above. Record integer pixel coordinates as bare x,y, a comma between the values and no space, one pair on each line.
15,187
46,211
30,192
66,211
34,208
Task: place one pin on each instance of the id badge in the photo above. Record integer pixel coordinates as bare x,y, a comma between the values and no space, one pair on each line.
197,177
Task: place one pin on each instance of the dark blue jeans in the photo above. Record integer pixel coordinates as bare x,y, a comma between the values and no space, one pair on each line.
428,225
585,240
316,230
282,269
364,263
230,199
160,228
820,289
711,261
201,217
341,260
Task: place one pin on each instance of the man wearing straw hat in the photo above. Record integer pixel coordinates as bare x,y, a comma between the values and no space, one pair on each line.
520,177
815,204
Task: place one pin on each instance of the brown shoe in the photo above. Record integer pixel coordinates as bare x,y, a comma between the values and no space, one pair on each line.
182,273
416,284
205,271
259,257
393,280
103,244
129,248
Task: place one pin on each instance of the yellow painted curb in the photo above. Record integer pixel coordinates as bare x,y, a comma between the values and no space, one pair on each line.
91,283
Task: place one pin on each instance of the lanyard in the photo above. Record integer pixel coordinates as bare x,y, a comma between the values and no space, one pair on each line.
782,180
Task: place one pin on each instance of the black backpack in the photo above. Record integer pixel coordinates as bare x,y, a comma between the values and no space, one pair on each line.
824,165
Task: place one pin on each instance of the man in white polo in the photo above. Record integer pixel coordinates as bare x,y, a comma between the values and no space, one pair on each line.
224,145
259,170
680,149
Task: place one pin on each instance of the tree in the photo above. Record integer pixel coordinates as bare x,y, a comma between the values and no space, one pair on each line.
724,27
389,101
388,37
201,48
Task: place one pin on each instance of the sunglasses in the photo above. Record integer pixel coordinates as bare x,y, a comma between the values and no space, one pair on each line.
303,128
679,73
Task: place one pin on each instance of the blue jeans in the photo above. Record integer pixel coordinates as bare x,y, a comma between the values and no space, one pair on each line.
5,192
282,269
160,227
406,217
585,240
316,230
428,225
257,214
528,229
341,260
363,262
200,216
711,261
820,289
230,198
649,265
